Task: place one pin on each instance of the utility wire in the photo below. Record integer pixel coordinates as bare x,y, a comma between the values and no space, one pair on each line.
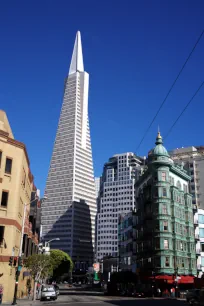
168,93
189,102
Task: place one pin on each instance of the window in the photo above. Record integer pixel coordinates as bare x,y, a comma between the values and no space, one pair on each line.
157,243
164,192
4,198
166,244
165,224
202,261
157,227
178,185
202,247
164,176
0,157
1,234
201,219
8,166
164,209
166,261
23,178
201,232
172,182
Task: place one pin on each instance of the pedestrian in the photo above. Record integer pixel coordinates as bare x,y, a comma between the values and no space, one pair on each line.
158,292
1,293
29,292
173,292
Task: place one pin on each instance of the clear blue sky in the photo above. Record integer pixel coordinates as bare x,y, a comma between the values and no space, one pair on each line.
132,51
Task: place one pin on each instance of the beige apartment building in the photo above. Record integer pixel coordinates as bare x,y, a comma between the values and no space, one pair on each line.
16,185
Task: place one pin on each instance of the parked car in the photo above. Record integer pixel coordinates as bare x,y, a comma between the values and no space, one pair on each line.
192,296
48,293
139,294
57,289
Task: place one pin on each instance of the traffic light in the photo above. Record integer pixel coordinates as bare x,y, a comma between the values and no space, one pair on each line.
20,261
15,261
11,261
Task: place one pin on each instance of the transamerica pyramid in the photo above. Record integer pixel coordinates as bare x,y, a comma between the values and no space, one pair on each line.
69,211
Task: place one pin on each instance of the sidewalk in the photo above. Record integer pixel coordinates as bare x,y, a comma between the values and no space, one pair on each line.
25,302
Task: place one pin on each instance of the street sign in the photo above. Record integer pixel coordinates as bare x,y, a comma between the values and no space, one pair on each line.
96,267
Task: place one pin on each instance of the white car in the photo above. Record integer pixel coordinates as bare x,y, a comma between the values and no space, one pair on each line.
48,293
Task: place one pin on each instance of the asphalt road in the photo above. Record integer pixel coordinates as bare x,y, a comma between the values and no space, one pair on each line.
82,300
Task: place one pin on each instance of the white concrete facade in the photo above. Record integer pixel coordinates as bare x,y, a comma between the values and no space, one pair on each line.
118,197
193,160
71,177
97,185
199,233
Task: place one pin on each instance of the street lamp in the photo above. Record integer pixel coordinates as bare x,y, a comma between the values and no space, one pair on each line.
20,249
46,248
47,244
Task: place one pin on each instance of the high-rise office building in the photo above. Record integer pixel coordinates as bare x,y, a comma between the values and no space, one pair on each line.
192,159
116,197
97,185
70,209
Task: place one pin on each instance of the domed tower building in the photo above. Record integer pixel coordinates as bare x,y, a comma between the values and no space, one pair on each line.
165,249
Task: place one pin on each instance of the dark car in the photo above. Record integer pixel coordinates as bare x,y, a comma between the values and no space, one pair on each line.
138,294
192,295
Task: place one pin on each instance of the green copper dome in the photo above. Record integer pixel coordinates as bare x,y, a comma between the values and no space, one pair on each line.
160,149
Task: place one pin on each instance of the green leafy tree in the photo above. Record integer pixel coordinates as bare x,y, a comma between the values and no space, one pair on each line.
61,263
40,266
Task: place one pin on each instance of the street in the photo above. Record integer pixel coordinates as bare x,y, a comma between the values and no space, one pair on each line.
80,299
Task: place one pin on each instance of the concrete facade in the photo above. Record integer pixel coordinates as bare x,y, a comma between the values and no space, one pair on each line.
127,242
117,196
192,158
70,178
16,184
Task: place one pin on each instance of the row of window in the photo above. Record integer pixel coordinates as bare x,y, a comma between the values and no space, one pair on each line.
107,248
180,262
108,242
108,232
118,183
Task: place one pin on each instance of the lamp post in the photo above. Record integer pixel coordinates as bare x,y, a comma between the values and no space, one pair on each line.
20,250
176,281
47,245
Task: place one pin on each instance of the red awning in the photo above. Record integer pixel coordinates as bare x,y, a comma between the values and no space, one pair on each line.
183,279
164,277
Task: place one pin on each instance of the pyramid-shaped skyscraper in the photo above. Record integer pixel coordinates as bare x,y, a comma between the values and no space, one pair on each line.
69,211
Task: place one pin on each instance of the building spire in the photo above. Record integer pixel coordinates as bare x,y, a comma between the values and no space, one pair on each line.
77,56
158,139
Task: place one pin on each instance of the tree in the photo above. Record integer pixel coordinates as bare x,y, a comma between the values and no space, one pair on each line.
61,263
40,266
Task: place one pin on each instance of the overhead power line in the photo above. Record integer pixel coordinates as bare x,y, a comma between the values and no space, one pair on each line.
189,102
168,93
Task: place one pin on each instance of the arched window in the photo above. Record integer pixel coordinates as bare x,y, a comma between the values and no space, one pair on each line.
178,184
